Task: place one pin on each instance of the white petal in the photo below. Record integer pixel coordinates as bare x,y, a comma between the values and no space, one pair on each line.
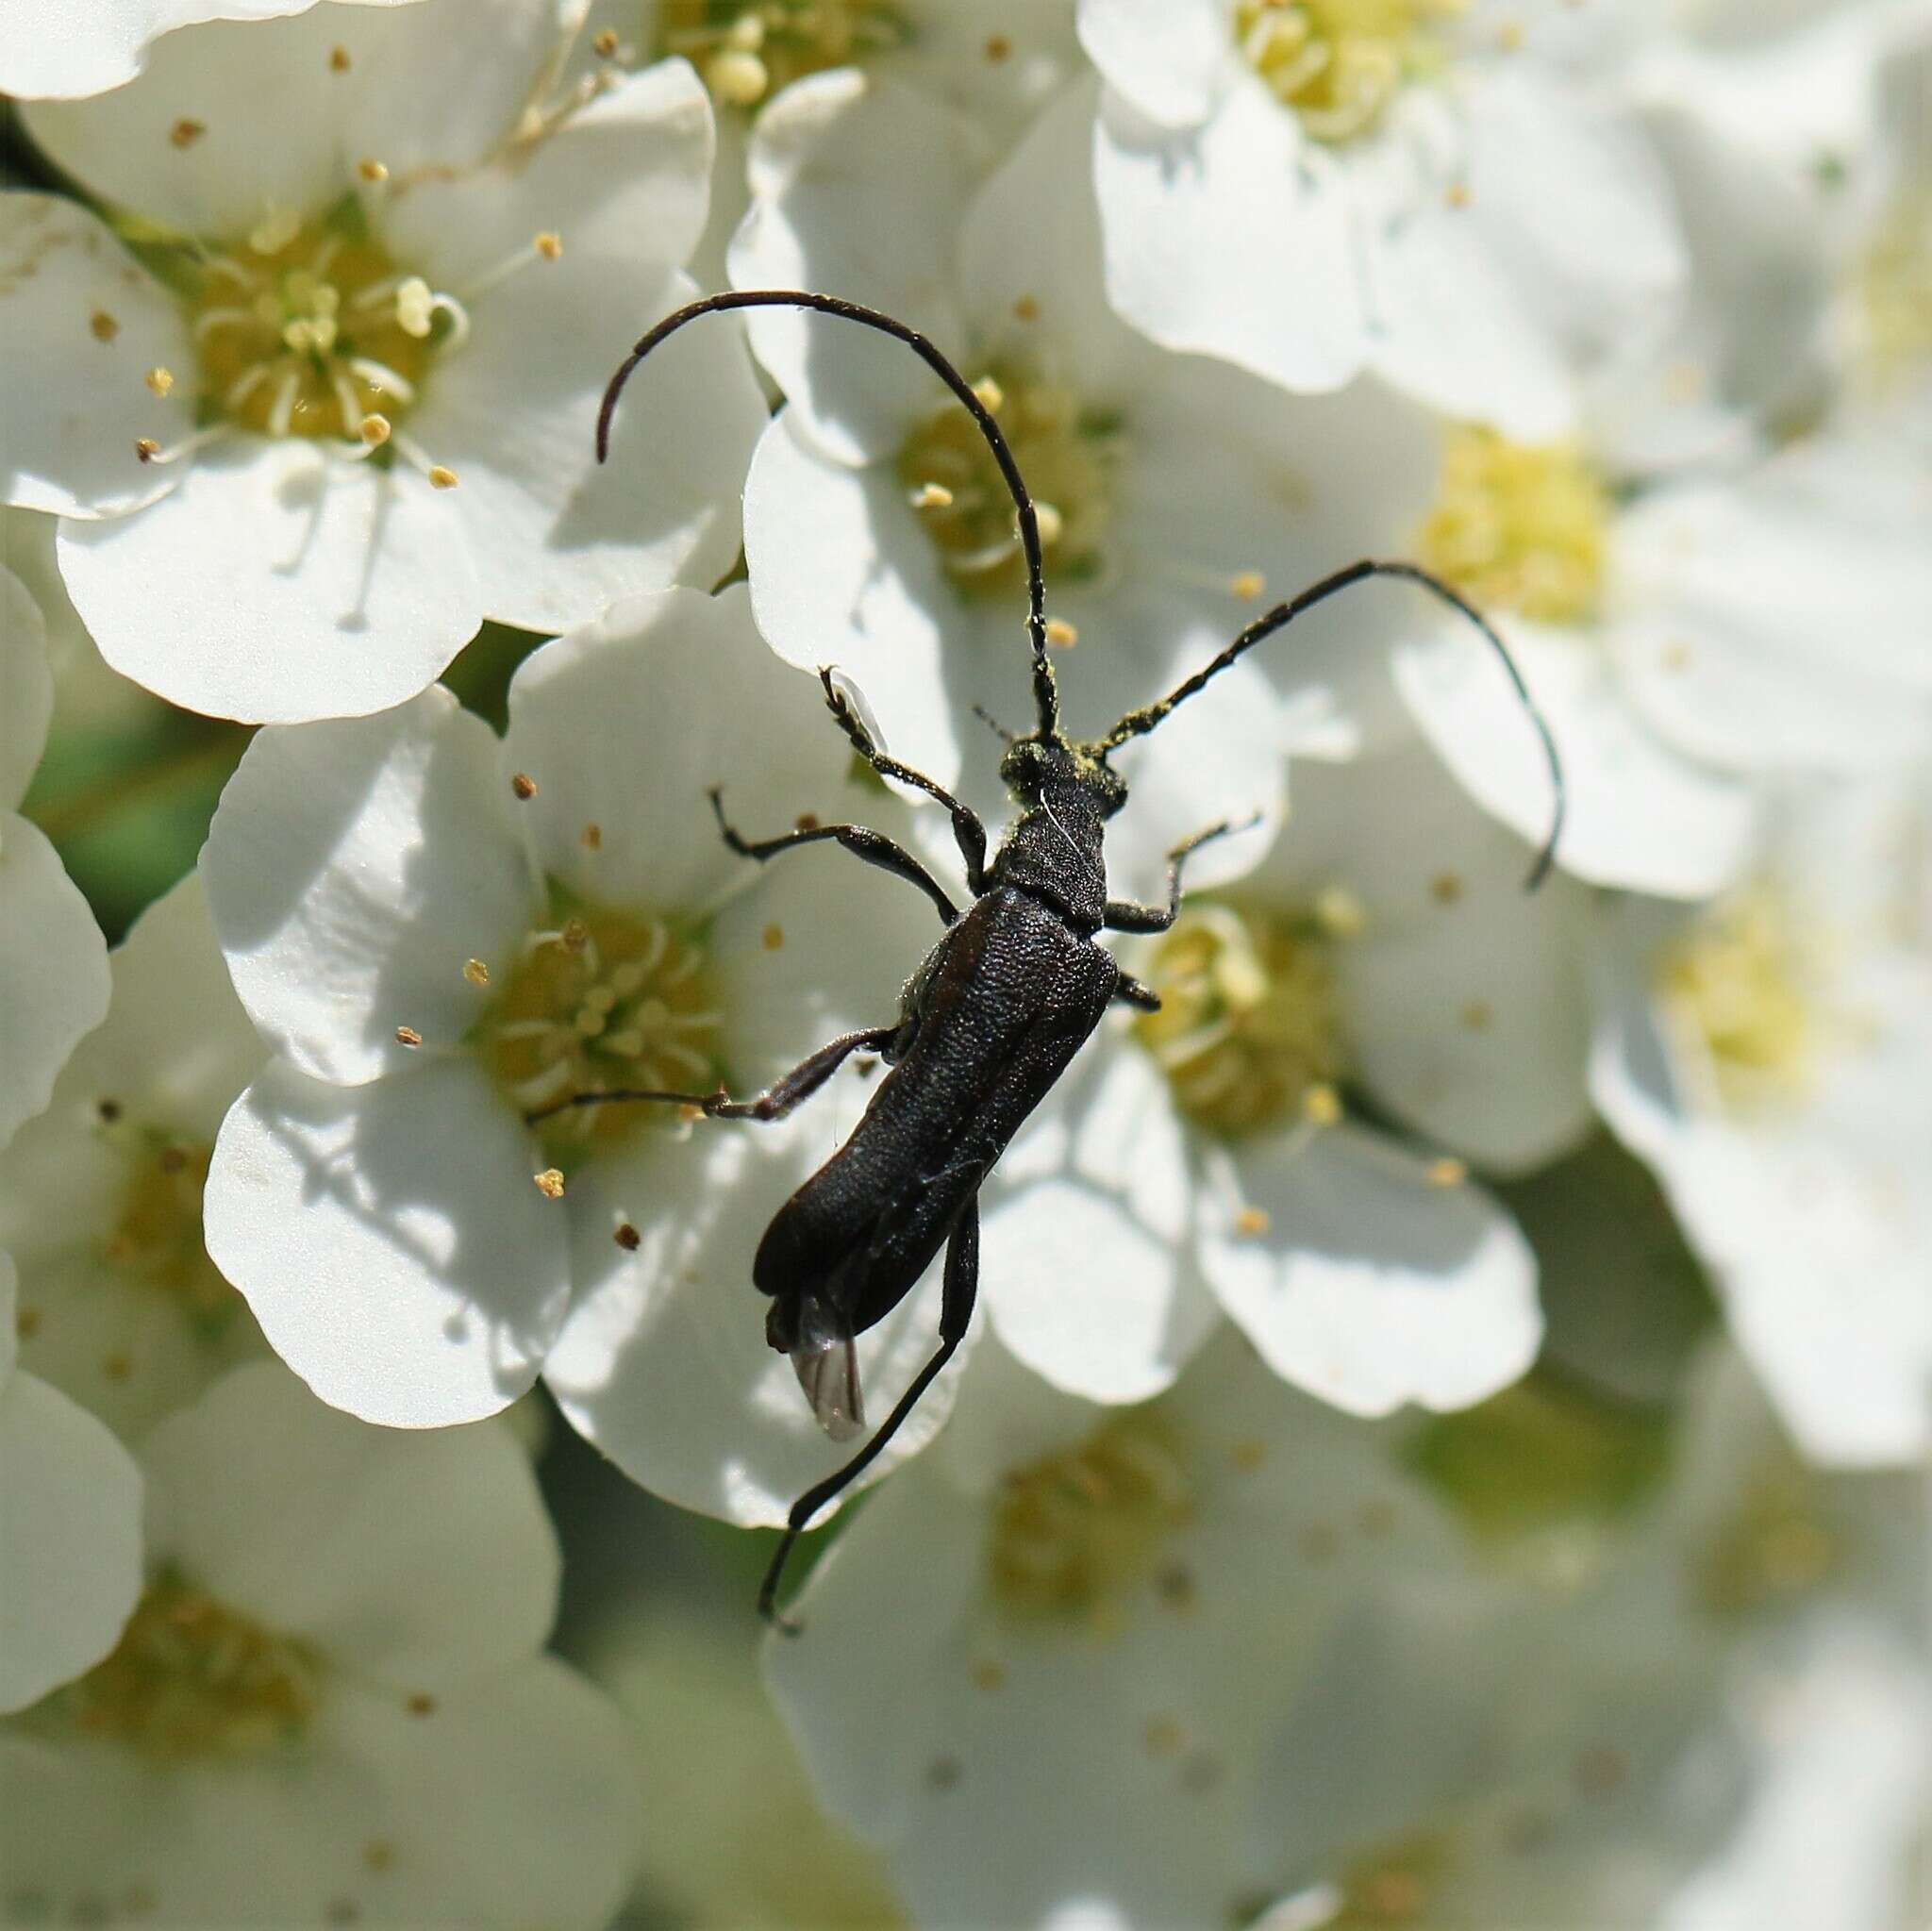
27,689
1370,1284
52,969
70,1534
76,308
1168,57
1637,814
354,869
284,121
1237,239
391,1239
621,725
1780,621
834,575
858,189
1085,1265
663,1362
70,52
278,582
414,1559
1461,1002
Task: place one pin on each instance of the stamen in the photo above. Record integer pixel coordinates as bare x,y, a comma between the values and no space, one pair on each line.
159,381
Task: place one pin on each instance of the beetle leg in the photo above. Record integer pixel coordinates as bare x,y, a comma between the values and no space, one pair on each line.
776,1100
956,1314
874,847
1125,915
968,832
1130,991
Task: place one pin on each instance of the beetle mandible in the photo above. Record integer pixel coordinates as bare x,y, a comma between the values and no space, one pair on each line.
1014,987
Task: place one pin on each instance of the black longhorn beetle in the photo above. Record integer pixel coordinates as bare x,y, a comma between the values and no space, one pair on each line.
997,1008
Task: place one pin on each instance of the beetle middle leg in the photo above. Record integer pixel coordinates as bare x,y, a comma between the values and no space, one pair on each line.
778,1099
959,1292
874,847
969,833
1125,915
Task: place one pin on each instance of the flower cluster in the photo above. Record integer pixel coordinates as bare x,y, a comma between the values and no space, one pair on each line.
1443,1438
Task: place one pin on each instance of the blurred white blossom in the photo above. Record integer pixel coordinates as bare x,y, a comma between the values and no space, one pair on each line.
328,1705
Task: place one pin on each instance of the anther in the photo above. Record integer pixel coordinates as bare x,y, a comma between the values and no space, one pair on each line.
475,971
997,48
1247,585
627,1237
523,785
931,496
159,381
989,393
415,306
550,1183
146,448
102,325
1052,524
275,231
339,59
1321,1104
185,132
441,478
1446,1172
1061,633
372,171
374,430
549,245
1250,1221
737,76
407,1035
1340,912
603,44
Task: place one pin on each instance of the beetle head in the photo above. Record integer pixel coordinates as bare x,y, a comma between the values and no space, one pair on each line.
1040,766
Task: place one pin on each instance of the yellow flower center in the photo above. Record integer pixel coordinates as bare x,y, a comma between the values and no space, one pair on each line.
1339,63
312,329
1068,453
1077,1530
191,1677
157,1239
605,999
746,49
1742,982
1519,527
1894,290
1247,1031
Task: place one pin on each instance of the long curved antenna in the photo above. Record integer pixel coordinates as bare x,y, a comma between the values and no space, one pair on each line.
1138,723
1045,696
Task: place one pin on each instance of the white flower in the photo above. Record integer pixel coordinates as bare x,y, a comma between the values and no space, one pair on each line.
329,1706
439,934
100,1196
1184,497
52,959
349,414
70,1529
96,48
1323,187
1198,1157
88,695
1771,1059
1042,1667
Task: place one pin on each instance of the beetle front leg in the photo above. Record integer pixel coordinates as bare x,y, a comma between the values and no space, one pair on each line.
1132,992
874,847
1125,915
776,1100
968,832
960,1290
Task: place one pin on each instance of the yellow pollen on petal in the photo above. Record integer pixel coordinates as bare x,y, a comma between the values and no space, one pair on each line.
1338,65
610,998
1069,452
749,49
1519,527
156,1240
300,332
1248,1033
1745,983
1075,1532
193,1679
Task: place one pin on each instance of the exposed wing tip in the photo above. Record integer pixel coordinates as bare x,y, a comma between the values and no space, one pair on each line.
828,1373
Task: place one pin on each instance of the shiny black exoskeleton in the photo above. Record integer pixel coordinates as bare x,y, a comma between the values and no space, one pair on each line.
999,1007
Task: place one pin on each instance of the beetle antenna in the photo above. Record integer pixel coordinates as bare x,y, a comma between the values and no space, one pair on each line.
992,724
1137,724
1045,694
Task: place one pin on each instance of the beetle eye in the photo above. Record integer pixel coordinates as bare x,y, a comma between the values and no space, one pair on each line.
828,1373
